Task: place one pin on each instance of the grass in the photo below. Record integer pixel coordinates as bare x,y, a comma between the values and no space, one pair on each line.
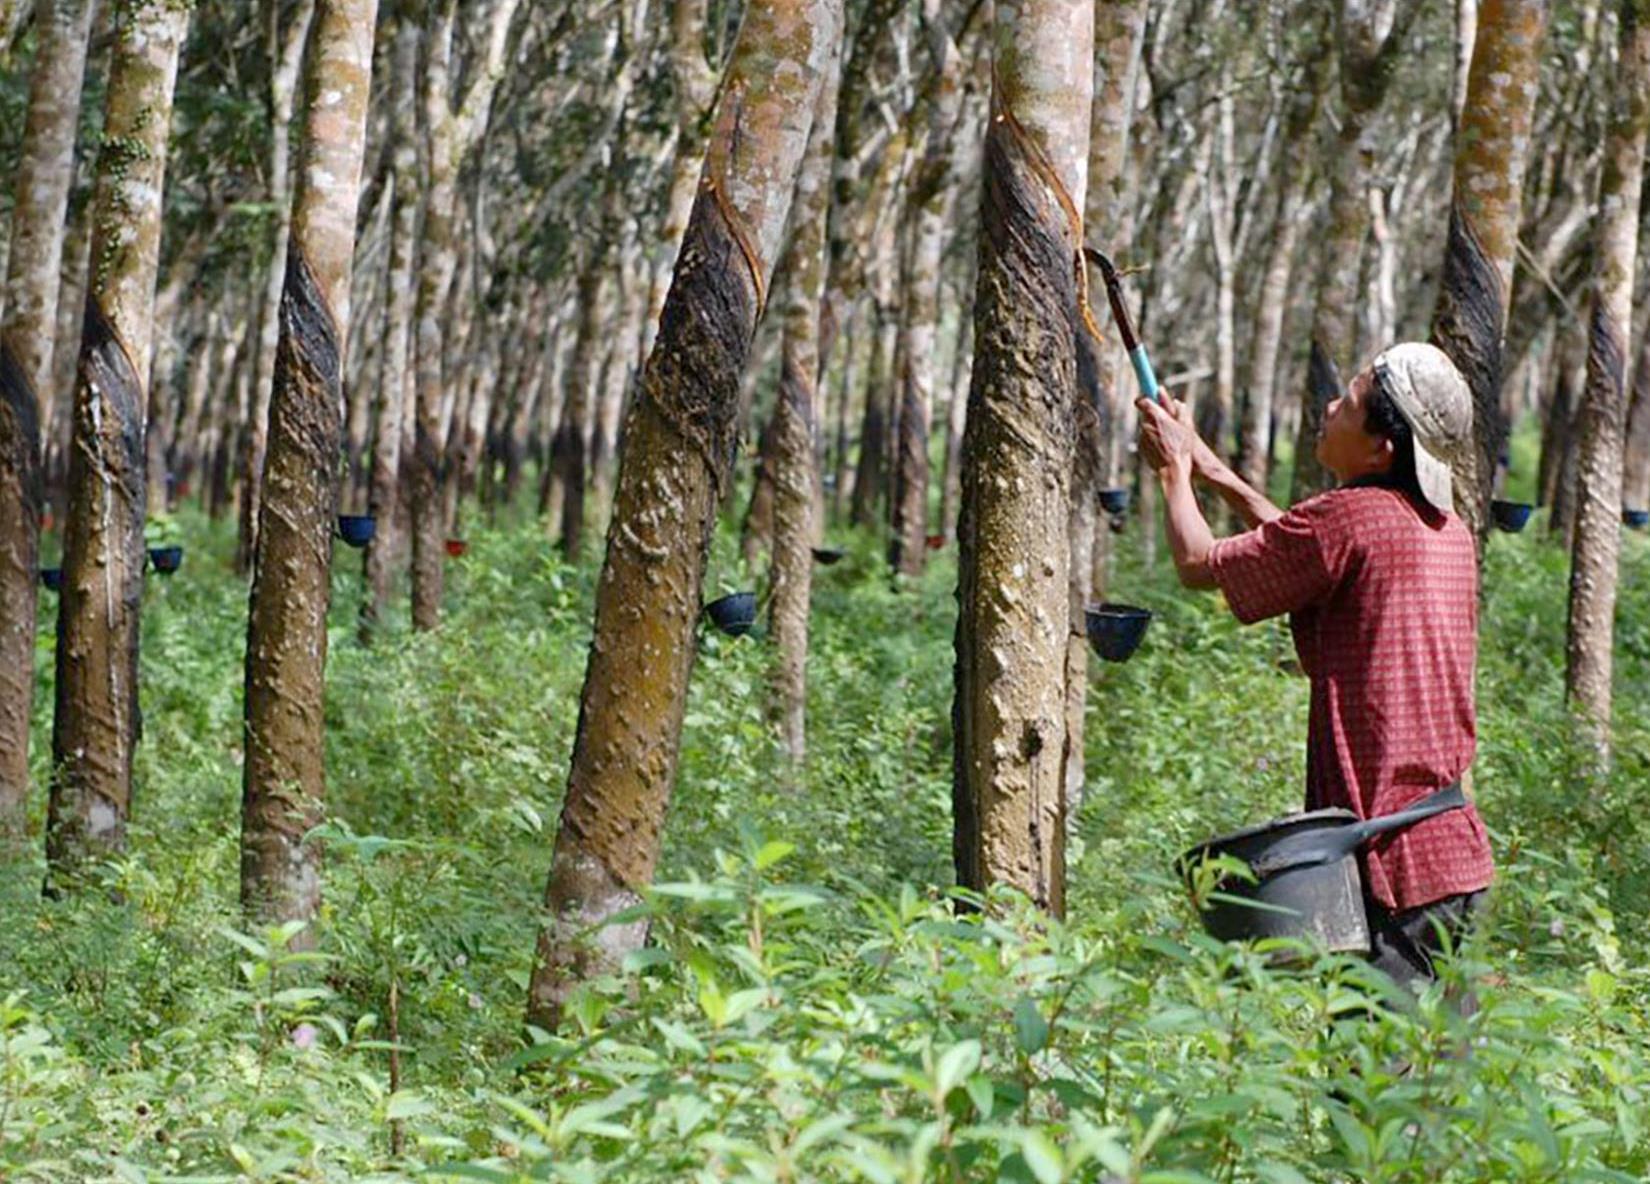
811,1006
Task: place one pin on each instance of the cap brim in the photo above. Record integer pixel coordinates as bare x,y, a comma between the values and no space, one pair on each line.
1436,481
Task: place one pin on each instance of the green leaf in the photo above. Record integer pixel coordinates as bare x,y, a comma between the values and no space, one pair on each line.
1030,1028
955,1064
771,853
1043,1158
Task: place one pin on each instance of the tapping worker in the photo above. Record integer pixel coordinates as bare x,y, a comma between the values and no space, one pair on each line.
1380,581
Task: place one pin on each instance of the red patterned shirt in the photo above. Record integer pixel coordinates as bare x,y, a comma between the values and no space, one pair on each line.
1383,604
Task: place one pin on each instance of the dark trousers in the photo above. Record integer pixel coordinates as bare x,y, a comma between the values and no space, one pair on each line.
1404,944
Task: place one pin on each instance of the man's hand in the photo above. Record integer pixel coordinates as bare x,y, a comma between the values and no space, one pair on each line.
1168,437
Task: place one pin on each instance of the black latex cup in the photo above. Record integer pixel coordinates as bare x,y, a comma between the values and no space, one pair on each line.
733,614
1511,517
1635,519
1116,630
357,530
166,559
1114,501
52,578
828,555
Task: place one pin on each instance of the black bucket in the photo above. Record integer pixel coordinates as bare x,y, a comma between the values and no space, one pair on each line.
1307,883
1116,630
52,578
1511,517
733,614
828,555
1114,501
1635,519
357,530
1322,903
166,559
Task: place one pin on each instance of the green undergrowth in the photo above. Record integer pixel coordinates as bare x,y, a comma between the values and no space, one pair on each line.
812,1004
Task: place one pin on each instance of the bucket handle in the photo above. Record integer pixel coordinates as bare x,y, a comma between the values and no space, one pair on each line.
1326,846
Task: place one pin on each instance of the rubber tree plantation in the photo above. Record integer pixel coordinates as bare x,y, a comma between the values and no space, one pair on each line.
764,590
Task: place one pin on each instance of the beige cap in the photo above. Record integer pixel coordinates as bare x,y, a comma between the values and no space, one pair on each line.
1435,401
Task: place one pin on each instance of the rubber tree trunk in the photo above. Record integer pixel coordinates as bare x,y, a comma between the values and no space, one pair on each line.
920,316
1255,430
1367,62
95,725
384,500
1593,569
284,786
572,443
1119,40
795,425
1014,615
1636,459
1491,151
44,176
450,137
285,50
679,444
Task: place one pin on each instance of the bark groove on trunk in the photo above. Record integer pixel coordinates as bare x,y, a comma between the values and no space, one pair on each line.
284,785
1013,624
44,177
679,444
95,726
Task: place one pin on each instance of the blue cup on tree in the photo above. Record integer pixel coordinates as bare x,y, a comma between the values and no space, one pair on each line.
1511,517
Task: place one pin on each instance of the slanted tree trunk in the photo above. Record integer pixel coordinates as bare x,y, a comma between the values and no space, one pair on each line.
384,500
1593,570
285,51
95,725
919,322
284,786
795,425
44,176
1491,152
679,443
1014,616
756,531
1370,36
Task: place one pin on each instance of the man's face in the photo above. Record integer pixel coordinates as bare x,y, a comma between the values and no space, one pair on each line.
1345,445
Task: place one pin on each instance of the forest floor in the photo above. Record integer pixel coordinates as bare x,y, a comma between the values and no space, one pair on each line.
810,1006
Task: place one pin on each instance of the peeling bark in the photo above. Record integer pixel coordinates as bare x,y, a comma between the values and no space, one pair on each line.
95,726
45,174
1013,624
284,787
679,443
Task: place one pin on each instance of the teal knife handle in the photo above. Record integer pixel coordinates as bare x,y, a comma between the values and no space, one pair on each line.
1143,371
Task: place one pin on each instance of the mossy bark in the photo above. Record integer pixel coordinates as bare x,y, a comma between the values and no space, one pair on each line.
95,726
1593,569
1492,149
1014,617
679,444
284,785
44,176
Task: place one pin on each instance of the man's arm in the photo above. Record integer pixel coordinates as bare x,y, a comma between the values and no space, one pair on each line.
1247,502
1190,538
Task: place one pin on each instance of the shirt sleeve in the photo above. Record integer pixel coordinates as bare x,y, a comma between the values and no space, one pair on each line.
1282,566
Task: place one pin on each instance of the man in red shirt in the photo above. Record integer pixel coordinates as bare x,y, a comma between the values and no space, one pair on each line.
1380,581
